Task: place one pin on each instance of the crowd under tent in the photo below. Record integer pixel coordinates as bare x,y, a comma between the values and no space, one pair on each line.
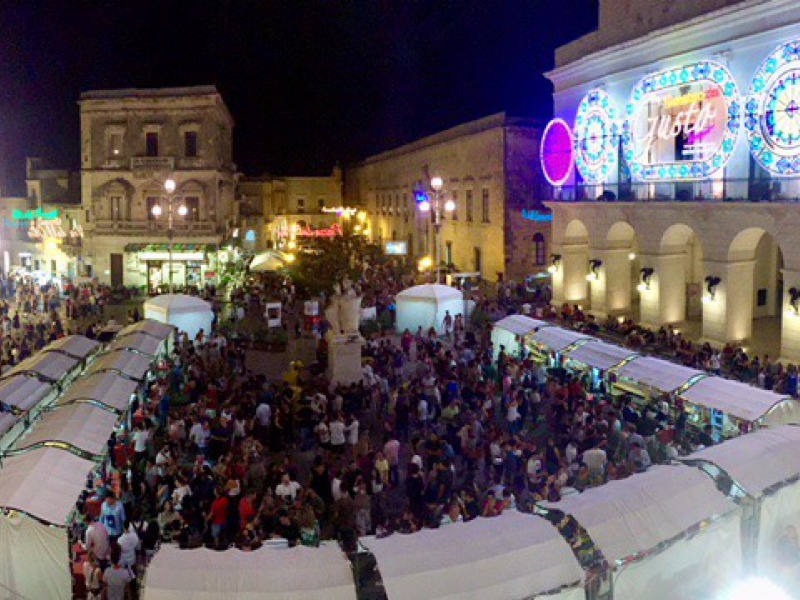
553,340
511,332
82,429
74,346
726,403
106,389
644,375
38,491
597,357
426,306
140,342
505,558
273,572
128,364
668,533
50,367
156,329
189,314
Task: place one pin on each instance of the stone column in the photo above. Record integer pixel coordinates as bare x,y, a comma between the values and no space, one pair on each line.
649,312
790,320
671,274
616,278
729,315
557,278
575,266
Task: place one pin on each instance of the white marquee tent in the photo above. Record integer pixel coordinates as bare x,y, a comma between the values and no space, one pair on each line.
267,261
23,392
106,388
187,313
657,374
269,573
47,366
124,362
504,558
425,306
150,327
510,331
556,338
75,346
600,355
138,341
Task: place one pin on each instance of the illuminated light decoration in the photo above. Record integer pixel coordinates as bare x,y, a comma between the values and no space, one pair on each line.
341,211
698,104
328,232
537,216
772,111
35,215
250,236
556,152
43,229
595,137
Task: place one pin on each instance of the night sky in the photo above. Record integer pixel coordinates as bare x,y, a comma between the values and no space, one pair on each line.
308,83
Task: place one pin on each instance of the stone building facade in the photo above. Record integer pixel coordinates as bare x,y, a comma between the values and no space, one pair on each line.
490,172
132,141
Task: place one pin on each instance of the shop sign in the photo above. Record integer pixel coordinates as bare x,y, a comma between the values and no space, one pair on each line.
682,123
43,229
35,215
395,248
537,216
342,211
326,232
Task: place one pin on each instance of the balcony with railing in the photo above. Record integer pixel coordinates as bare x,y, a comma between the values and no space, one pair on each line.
783,190
152,163
152,227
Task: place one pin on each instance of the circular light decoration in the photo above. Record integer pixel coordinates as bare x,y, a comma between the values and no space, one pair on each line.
772,111
682,123
556,152
596,134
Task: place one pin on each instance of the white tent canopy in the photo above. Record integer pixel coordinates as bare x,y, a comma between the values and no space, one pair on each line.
520,324
658,374
124,362
633,515
7,421
150,327
556,338
23,392
426,305
82,426
75,346
138,341
187,313
742,401
44,483
269,573
106,387
267,261
600,355
504,558
758,460
49,366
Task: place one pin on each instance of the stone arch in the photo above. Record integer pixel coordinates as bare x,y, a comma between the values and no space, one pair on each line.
678,234
745,243
112,200
621,231
576,232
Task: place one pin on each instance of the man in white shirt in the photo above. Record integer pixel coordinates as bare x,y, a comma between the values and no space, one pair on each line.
352,432
287,489
97,540
337,429
128,545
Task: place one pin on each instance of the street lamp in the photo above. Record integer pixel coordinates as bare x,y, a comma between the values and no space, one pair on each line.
437,209
157,210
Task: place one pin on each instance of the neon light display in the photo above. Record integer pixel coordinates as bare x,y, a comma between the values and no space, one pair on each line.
35,215
682,123
772,111
556,152
328,232
596,135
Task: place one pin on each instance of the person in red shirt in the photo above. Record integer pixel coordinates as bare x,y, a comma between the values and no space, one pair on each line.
247,509
218,516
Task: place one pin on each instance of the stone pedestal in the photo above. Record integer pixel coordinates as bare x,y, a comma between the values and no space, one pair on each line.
344,358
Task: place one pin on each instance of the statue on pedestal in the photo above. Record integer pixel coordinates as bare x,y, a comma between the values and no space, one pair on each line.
343,312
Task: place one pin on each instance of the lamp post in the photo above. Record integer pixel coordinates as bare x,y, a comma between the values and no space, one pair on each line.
170,197
438,208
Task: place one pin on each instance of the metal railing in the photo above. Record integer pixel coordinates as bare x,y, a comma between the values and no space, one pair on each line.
152,163
783,190
143,227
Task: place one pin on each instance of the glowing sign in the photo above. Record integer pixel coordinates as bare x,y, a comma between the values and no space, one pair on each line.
329,232
556,153
42,229
341,211
34,215
537,216
682,123
772,111
396,248
596,134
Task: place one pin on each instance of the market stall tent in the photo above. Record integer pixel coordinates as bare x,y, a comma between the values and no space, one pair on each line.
106,388
505,558
188,313
660,375
269,573
124,362
600,355
149,327
426,305
266,262
75,346
510,332
556,339
50,367
140,342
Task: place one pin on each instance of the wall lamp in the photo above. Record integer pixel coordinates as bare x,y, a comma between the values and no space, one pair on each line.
594,267
794,300
646,274
711,286
555,263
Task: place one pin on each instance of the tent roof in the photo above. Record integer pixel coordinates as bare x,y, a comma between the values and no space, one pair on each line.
83,426
658,374
733,397
600,355
267,261
633,515
75,346
139,341
485,558
23,391
49,366
150,327
268,573
7,421
520,324
177,304
44,483
106,387
757,460
431,291
557,338
124,362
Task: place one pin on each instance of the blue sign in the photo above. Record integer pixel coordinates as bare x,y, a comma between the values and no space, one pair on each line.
537,216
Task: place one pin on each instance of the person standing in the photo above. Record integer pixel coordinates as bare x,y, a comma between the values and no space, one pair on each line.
116,577
112,515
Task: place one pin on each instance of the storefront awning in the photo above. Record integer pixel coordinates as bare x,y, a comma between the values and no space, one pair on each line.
194,252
